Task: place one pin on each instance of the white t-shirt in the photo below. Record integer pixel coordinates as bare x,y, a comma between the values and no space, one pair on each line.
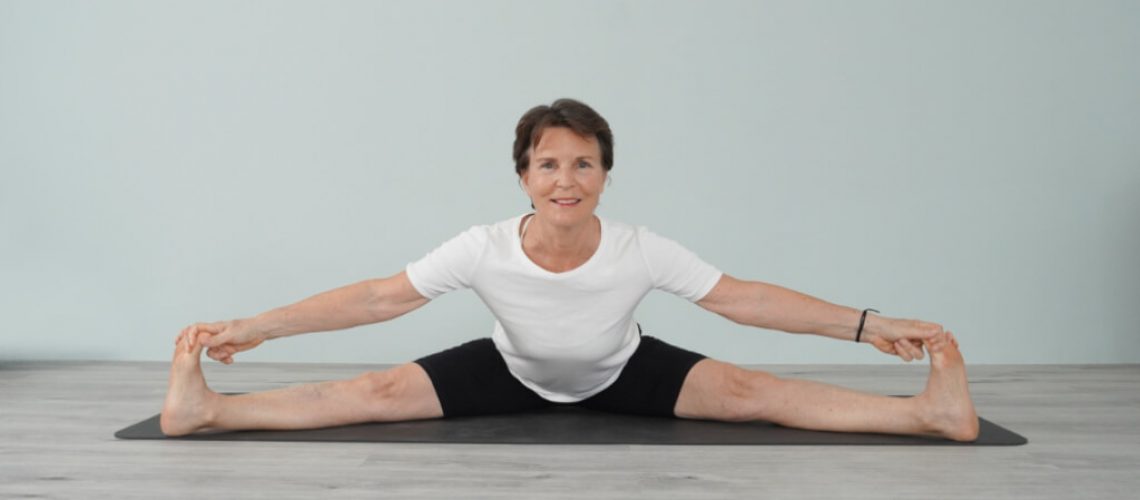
566,336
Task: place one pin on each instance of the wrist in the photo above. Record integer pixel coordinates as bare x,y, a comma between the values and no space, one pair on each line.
869,324
263,325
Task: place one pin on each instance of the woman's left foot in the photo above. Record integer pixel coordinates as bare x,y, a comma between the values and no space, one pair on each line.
189,402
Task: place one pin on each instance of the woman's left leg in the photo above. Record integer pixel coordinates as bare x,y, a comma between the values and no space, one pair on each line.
714,390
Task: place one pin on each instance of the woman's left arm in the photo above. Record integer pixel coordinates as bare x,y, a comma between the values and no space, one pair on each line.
777,308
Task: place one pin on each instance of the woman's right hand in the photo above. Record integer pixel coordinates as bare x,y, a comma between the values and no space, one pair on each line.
223,338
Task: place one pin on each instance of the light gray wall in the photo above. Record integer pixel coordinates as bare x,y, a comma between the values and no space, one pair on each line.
971,163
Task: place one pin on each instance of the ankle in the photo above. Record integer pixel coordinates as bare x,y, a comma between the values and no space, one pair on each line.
211,409
926,414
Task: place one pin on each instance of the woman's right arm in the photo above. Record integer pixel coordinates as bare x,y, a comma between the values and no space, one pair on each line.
366,302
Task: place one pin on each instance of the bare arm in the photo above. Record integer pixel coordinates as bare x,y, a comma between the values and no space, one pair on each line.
369,301
777,308
774,307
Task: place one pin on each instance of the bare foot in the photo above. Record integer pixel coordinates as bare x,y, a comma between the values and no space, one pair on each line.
949,410
189,402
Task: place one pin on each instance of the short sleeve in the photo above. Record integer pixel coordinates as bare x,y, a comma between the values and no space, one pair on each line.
450,266
675,269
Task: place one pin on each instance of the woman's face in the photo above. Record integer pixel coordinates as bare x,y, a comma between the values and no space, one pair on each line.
565,177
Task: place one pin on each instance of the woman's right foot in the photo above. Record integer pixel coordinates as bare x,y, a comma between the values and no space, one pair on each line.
189,404
949,411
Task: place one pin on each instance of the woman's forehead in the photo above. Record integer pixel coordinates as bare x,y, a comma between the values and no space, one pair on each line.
561,141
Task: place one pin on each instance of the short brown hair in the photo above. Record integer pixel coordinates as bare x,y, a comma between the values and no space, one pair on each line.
568,113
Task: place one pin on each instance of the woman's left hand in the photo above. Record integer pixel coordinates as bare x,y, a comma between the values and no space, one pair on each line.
904,338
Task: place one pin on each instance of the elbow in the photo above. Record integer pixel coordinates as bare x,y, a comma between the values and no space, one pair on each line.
729,315
730,312
377,305
391,298
739,319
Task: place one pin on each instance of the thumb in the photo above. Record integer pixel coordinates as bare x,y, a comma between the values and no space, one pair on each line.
213,331
213,340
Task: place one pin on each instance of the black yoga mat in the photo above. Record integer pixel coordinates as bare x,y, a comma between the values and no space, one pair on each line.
576,425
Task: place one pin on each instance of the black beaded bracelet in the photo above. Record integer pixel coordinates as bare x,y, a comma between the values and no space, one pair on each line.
861,320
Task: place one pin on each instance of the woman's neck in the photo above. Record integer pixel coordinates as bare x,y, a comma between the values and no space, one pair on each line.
558,240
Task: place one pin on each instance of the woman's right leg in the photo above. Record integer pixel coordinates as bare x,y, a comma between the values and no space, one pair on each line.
401,393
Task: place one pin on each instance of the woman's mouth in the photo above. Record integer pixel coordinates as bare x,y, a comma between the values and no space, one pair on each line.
566,202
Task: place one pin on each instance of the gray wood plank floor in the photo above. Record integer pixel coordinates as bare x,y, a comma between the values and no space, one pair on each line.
57,420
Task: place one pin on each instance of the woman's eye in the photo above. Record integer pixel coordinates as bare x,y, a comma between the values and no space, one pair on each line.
547,165
584,165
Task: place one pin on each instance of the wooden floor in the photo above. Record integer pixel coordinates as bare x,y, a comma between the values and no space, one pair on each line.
57,421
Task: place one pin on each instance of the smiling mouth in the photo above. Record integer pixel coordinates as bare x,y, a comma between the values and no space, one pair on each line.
566,202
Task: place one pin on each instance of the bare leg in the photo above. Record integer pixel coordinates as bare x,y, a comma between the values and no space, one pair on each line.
943,409
398,394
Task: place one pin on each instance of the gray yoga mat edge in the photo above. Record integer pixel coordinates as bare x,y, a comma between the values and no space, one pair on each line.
576,425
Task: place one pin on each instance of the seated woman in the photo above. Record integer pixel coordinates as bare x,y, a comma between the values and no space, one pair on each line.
563,284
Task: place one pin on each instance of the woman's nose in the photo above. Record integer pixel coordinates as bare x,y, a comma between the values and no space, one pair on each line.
565,177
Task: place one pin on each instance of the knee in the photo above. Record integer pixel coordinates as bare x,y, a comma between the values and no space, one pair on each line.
376,384
750,392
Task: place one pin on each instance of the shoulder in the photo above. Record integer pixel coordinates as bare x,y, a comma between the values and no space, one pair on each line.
632,235
493,231
648,238
618,229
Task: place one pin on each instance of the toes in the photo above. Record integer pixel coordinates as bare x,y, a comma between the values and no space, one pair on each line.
933,345
936,344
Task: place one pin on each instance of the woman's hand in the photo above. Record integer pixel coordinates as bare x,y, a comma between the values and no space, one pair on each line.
904,338
223,338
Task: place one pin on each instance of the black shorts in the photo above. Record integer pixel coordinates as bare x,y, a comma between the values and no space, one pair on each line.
472,379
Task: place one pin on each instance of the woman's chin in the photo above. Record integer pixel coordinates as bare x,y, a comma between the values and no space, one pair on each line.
568,215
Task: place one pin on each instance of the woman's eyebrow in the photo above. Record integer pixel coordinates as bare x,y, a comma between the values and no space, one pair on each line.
544,158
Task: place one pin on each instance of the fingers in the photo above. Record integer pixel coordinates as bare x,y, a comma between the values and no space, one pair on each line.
182,336
897,347
198,328
188,335
916,348
218,337
907,350
218,329
221,354
917,338
191,334
946,340
935,344
902,351
928,329
917,335
187,338
183,341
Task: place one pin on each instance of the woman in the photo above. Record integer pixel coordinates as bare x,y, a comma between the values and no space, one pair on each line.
563,284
